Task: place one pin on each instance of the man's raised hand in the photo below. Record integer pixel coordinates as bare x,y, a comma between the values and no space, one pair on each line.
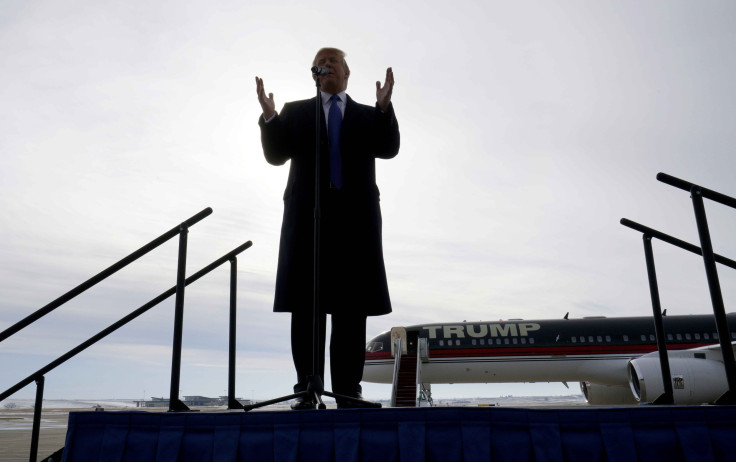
267,103
383,94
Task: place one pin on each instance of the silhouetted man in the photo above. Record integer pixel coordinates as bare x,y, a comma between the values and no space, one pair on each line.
352,273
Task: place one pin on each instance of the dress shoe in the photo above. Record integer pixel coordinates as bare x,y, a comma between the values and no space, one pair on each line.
301,404
350,404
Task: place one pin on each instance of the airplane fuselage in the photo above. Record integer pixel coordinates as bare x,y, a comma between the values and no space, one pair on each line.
595,349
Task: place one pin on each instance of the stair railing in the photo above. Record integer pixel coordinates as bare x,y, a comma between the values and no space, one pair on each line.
174,403
397,362
697,193
647,235
104,274
422,351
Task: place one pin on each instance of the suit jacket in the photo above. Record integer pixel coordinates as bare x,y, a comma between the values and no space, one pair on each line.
352,271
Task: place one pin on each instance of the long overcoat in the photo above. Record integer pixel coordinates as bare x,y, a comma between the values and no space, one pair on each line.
352,271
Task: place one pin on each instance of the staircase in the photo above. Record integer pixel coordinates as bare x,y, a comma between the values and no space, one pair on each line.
406,390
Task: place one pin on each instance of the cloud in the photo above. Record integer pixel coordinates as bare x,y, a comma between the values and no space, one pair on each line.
528,131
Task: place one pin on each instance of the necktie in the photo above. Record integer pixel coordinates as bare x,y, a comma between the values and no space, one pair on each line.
334,123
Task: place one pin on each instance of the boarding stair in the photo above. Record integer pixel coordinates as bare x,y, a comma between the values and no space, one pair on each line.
409,353
406,387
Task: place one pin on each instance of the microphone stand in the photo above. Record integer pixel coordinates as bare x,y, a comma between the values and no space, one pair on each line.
315,385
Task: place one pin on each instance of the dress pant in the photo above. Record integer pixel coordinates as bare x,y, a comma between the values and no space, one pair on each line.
347,350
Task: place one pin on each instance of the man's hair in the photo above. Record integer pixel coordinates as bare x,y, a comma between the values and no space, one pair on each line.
338,51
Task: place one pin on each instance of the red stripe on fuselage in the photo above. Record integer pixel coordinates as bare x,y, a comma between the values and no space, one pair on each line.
541,351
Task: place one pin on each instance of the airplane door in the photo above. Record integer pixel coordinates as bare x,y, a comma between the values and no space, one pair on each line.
398,333
412,338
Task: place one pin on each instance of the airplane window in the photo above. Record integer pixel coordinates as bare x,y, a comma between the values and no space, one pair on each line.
697,336
498,340
373,347
457,342
442,342
608,338
706,336
669,337
574,339
652,337
677,336
599,338
482,341
514,340
590,337
643,337
523,340
473,339
531,340
505,341
688,336
626,338
582,339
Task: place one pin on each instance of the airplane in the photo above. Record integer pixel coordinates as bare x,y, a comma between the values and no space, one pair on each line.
614,359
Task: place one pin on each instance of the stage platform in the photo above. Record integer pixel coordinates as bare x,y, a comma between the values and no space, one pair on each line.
625,434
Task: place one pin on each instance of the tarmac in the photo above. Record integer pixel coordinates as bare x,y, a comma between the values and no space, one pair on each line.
15,433
16,427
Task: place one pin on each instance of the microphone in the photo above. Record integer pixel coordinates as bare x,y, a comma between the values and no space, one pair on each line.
320,70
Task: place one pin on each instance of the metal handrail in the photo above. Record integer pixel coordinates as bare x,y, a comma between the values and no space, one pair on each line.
418,378
687,186
178,290
103,274
668,396
697,193
674,241
123,321
232,403
397,362
648,234
422,356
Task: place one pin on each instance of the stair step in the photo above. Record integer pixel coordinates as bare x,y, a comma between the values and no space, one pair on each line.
406,388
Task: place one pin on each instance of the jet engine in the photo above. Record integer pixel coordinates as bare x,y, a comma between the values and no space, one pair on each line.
596,393
698,376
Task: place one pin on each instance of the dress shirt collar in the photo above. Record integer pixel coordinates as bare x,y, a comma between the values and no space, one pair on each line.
326,103
326,98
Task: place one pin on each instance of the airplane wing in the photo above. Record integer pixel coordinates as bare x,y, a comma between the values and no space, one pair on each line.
713,347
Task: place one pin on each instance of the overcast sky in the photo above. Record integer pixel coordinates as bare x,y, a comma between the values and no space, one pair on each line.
529,129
